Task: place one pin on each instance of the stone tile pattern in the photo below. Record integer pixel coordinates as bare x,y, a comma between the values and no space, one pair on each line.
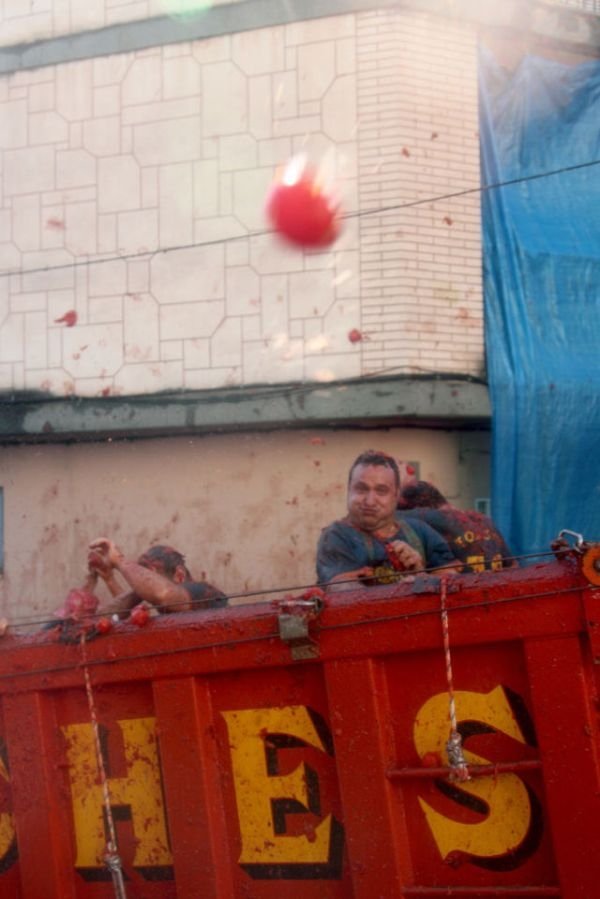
132,223
421,293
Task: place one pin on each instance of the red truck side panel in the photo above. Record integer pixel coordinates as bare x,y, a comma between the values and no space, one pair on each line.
245,764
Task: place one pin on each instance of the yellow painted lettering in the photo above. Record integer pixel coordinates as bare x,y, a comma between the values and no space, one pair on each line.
509,808
477,563
140,790
496,563
256,790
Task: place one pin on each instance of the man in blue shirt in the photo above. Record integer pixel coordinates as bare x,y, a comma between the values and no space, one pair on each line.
372,545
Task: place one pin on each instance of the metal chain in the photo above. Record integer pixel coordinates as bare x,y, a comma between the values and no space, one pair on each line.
454,750
111,858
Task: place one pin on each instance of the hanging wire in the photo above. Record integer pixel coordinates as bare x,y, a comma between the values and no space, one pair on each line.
270,592
286,391
274,634
356,214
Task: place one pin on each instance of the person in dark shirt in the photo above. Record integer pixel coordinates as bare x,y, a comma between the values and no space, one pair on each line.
473,537
371,544
159,577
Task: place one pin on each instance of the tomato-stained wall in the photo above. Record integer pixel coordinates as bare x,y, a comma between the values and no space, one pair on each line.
246,509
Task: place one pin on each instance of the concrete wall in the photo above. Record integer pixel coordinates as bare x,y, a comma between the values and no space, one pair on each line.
246,509
108,159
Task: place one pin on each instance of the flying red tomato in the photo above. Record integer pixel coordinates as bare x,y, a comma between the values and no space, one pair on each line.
299,208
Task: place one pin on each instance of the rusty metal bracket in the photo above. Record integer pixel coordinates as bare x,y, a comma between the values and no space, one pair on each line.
587,553
578,538
294,626
293,630
562,547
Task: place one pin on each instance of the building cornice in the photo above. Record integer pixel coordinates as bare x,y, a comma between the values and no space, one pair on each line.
429,401
569,27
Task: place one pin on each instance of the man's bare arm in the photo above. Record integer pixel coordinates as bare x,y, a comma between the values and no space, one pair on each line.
146,584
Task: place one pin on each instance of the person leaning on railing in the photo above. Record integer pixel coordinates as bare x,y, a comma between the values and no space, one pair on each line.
159,577
372,544
472,537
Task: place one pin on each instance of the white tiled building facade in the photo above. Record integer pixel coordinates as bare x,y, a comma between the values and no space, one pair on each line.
133,252
136,261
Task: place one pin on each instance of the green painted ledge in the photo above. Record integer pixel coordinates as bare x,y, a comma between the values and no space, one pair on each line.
565,25
450,401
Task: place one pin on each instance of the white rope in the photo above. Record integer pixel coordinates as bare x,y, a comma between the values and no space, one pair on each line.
111,858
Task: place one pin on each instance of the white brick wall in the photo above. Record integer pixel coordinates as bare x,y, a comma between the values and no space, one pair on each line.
420,266
163,157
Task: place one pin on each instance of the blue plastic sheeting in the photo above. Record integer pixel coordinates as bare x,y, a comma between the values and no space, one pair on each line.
542,296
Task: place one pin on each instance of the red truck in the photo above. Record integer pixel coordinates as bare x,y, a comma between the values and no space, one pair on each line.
424,739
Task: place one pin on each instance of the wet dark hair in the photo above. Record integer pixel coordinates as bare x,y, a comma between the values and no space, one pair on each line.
376,457
421,495
164,557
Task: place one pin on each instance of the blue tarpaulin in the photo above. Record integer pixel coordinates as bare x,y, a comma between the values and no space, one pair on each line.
542,295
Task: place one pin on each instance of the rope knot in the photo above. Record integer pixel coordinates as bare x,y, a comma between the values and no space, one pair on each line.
456,759
459,770
113,862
